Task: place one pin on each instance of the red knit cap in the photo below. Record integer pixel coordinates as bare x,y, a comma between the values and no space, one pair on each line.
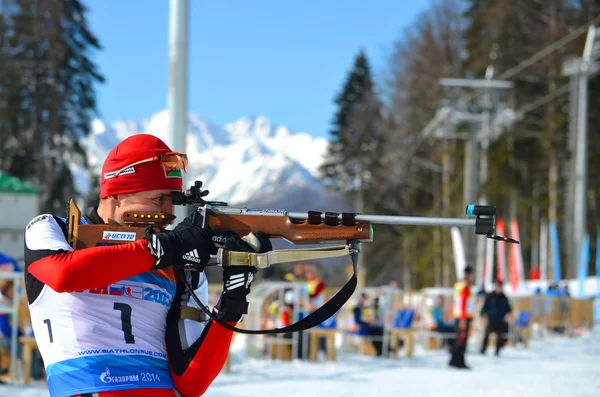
140,177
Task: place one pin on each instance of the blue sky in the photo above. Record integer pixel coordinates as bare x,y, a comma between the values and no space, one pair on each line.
285,59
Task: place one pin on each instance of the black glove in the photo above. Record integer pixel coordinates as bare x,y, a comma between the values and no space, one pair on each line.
187,245
237,280
257,242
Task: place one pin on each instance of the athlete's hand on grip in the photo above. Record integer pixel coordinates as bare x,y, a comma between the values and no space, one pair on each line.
185,246
257,242
237,280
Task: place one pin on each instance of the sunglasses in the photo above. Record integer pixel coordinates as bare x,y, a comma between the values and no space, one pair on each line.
169,161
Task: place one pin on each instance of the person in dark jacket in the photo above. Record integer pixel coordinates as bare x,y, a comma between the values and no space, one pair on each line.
497,309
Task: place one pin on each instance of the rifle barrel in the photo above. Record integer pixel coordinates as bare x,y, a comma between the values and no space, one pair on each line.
374,219
400,220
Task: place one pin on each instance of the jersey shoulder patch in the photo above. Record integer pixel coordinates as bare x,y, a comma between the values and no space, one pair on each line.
39,218
44,232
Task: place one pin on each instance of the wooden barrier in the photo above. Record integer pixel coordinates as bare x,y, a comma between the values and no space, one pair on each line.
522,304
280,351
588,312
367,347
407,335
556,312
315,334
582,313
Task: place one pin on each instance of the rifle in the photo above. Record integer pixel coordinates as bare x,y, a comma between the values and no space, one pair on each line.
298,228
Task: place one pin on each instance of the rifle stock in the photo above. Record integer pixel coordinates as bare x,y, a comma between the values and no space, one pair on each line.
294,231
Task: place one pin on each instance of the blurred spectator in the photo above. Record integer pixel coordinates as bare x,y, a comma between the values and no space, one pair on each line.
436,320
497,309
367,327
377,312
553,290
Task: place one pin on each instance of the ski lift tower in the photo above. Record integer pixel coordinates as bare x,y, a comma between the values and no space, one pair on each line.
580,70
486,120
177,97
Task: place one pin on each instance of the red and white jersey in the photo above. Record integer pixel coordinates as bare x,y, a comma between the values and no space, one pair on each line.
109,336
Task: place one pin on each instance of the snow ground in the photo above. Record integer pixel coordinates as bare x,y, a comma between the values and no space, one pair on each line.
552,366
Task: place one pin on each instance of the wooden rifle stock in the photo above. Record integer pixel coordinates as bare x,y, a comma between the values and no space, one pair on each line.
295,231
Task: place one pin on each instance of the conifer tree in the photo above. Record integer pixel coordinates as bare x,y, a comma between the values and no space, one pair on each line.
51,95
356,137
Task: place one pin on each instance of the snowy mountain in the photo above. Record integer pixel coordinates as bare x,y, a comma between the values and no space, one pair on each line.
250,161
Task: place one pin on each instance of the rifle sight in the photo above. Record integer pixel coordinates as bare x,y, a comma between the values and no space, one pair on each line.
194,196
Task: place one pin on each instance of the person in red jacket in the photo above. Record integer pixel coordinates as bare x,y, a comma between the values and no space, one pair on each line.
117,320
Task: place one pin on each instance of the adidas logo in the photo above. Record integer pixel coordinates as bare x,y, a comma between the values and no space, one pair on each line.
219,239
235,281
192,256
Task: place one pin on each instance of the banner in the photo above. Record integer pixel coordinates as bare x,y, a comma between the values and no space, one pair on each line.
543,251
556,271
460,260
584,263
516,258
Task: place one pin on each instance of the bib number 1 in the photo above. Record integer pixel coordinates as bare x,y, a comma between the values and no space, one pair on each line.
125,310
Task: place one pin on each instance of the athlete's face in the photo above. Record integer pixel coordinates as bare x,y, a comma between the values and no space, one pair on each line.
151,200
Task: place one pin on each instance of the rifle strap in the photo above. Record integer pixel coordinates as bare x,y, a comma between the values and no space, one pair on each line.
262,261
329,309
